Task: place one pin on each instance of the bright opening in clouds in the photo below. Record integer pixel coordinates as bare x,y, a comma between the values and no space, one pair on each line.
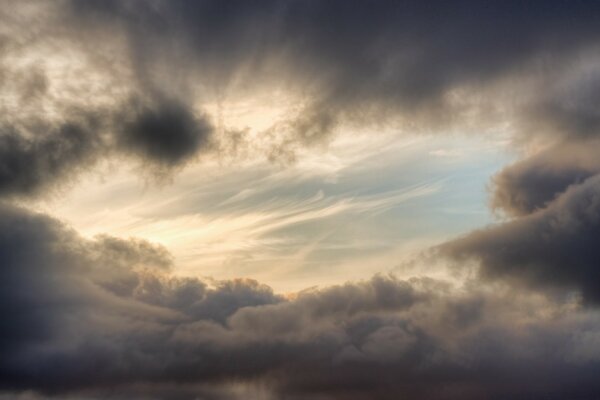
298,199
359,207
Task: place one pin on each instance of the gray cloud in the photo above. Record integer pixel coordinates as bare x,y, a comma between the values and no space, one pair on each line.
550,241
33,159
28,165
567,107
67,103
422,67
553,247
106,319
83,301
533,183
366,62
168,134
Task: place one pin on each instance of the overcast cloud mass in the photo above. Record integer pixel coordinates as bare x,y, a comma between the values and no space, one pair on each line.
343,152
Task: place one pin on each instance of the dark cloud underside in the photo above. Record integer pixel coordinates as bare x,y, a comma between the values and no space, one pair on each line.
105,318
358,59
169,134
360,62
29,165
85,80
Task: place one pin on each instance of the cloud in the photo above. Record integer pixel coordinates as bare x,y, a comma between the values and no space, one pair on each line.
91,318
106,318
167,135
553,247
28,165
67,104
566,107
36,158
533,183
80,301
424,68
549,241
339,63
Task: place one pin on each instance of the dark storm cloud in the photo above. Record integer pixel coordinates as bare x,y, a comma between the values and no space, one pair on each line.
168,134
83,301
66,103
28,165
105,319
356,60
531,184
33,158
427,65
556,246
551,242
569,107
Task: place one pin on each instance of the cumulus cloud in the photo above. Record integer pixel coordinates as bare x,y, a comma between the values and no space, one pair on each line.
108,318
78,302
104,318
549,240
553,247
533,183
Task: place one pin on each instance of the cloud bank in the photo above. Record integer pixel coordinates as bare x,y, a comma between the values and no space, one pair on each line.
107,319
153,69
84,81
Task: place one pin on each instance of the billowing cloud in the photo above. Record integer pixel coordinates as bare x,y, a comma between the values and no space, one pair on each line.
533,183
412,66
105,318
552,247
67,103
353,59
151,81
550,239
35,158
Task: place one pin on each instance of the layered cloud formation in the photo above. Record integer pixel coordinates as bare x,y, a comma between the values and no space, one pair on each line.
107,70
105,318
83,82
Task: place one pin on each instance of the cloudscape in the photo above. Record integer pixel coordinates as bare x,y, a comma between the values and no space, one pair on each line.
299,199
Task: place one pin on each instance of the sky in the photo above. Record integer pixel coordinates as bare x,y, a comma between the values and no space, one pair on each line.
299,199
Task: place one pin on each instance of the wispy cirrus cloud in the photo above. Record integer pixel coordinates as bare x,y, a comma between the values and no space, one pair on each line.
306,221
